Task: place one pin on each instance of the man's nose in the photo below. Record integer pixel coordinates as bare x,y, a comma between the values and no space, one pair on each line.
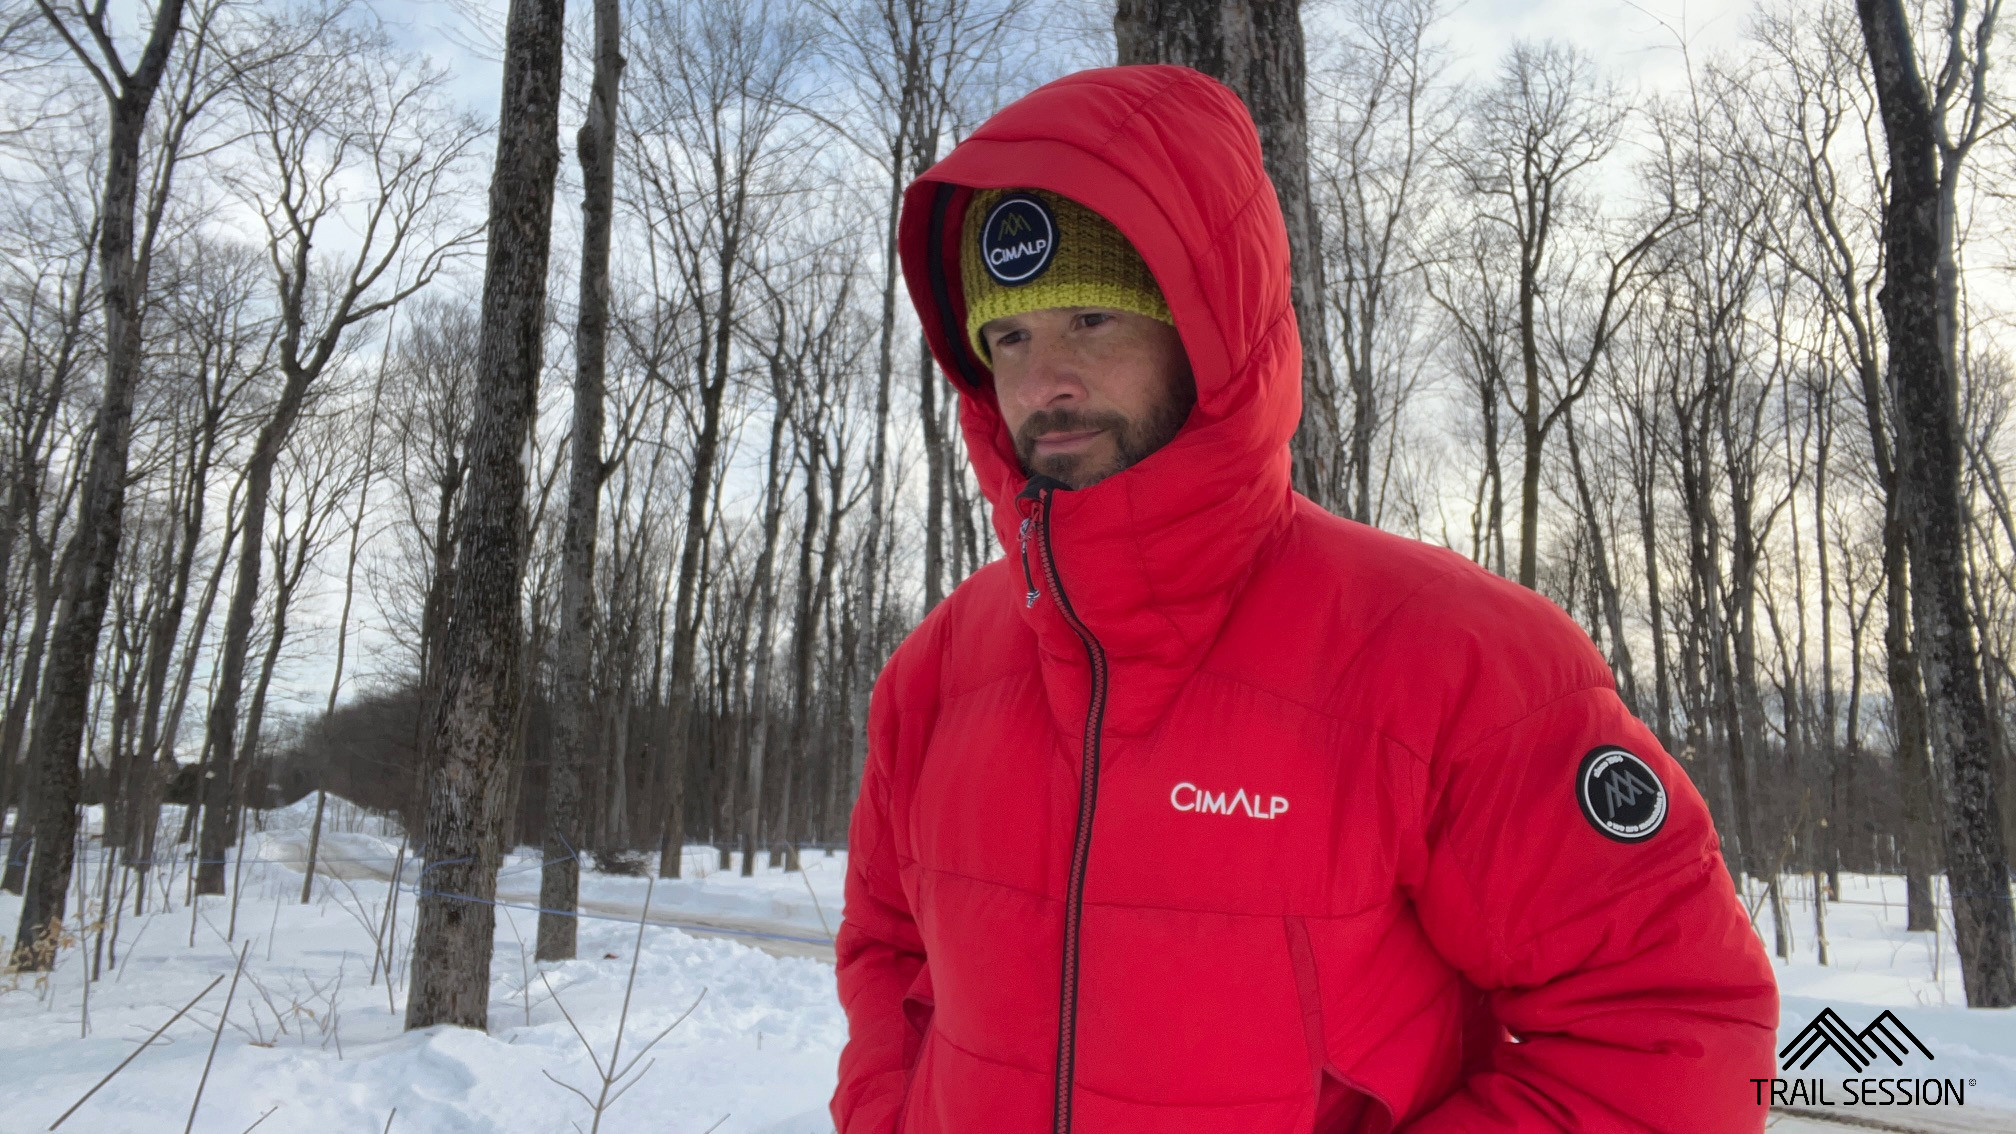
1052,379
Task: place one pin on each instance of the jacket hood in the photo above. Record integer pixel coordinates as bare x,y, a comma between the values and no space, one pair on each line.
1152,555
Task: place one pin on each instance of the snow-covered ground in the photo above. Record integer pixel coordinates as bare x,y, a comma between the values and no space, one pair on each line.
315,1043
312,1039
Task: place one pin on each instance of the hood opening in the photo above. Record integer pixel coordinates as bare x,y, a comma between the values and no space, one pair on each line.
951,312
1171,158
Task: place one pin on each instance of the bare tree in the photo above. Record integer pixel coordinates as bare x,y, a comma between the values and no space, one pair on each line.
1819,114
595,149
478,722
351,108
763,604
48,334
1386,110
433,390
1919,301
123,263
712,92
223,339
368,462
1537,135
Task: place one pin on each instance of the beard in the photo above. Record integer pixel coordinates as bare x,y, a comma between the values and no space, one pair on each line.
1133,438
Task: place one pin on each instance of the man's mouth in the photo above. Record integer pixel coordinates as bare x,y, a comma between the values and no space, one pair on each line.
1050,443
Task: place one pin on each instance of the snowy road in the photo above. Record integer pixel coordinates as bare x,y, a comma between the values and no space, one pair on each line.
519,890
779,939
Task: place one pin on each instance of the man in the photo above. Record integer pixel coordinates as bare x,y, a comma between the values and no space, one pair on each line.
1204,810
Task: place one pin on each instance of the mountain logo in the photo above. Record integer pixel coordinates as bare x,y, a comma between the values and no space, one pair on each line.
1018,239
1886,1037
1621,795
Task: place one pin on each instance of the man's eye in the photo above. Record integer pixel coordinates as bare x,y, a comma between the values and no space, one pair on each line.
1008,338
1094,318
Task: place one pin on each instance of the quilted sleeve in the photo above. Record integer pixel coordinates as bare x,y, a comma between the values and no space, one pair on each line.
878,952
1572,873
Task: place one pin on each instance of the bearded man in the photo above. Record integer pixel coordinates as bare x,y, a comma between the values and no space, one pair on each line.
1204,810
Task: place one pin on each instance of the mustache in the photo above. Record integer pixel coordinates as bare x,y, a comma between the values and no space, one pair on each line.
1065,421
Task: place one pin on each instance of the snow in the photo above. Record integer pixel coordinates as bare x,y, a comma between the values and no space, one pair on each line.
313,1043
1876,965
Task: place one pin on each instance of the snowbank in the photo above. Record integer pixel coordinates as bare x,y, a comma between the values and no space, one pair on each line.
311,1035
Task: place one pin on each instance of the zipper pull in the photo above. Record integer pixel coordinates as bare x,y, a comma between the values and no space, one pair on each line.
1029,600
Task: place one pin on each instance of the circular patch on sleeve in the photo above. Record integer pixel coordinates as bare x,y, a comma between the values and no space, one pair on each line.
1018,240
1621,796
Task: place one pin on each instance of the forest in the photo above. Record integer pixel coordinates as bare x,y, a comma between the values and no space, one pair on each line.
560,470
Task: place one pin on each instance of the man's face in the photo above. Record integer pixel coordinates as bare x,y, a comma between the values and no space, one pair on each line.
1088,391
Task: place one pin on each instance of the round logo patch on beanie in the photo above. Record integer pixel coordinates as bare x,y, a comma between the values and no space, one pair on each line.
1018,240
1621,796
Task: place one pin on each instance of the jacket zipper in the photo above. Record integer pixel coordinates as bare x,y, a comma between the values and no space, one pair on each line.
1088,792
1028,580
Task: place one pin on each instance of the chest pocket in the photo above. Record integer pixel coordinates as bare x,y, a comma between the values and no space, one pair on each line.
983,807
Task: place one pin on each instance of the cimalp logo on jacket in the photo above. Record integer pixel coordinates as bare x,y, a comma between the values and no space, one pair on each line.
1885,1039
1621,795
1018,240
1189,797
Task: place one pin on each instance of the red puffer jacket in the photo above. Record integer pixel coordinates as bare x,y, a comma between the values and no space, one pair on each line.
1206,811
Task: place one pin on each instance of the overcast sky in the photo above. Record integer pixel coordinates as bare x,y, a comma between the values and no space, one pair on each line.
1639,41
1637,38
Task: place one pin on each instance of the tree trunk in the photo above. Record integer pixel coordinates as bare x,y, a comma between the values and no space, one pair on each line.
1529,410
765,614
255,716
1833,757
164,631
686,616
1606,583
867,643
477,724
220,738
1256,49
595,149
343,618
433,629
1918,301
1913,758
14,874
805,636
1662,725
66,683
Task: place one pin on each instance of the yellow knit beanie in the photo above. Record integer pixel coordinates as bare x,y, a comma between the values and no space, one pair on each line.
1027,249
